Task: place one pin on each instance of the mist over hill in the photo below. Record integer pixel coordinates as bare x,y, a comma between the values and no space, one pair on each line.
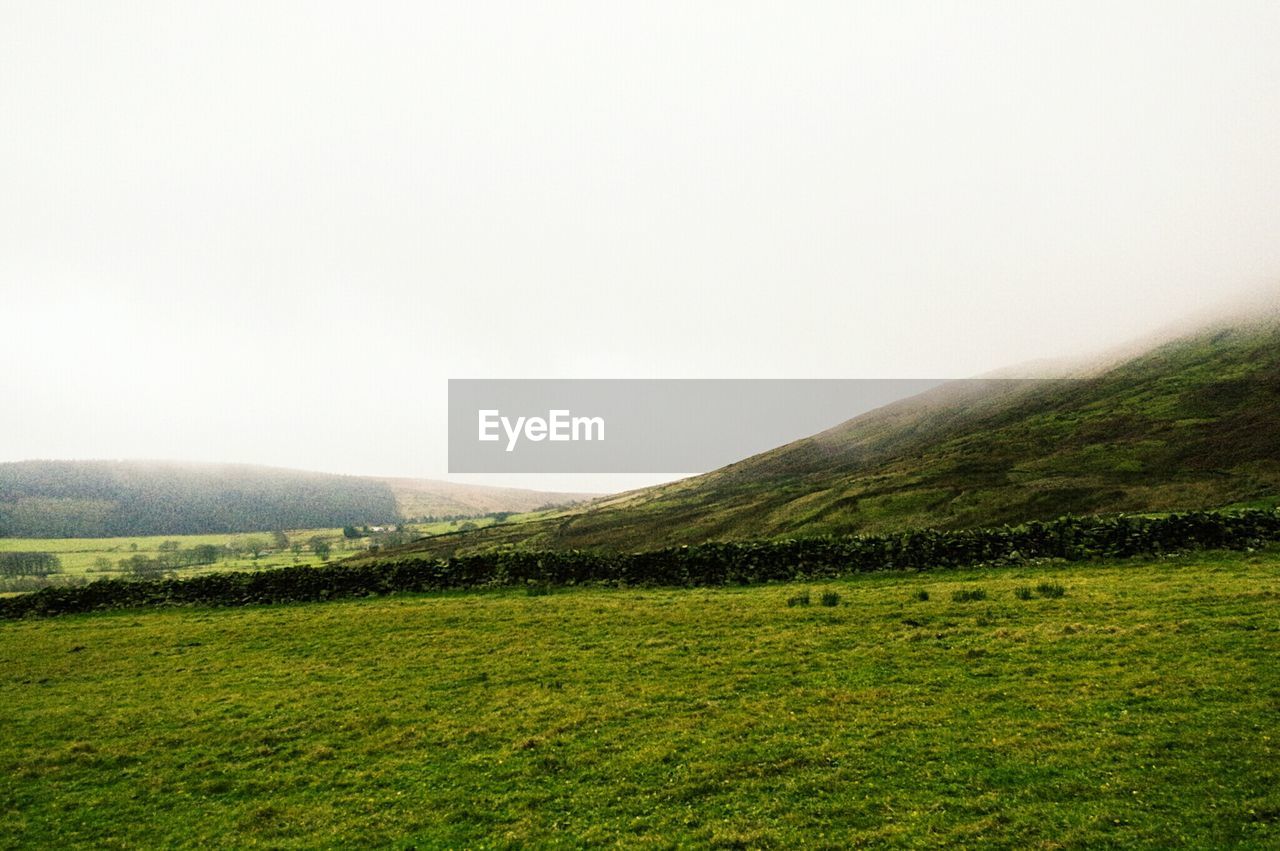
1190,423
58,499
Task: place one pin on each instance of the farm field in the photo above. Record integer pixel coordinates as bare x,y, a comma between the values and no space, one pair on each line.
968,707
78,555
92,558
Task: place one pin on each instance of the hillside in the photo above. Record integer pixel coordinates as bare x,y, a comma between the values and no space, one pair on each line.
421,498
1189,424
62,499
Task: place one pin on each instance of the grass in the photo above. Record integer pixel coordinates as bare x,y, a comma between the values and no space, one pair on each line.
1052,590
1138,710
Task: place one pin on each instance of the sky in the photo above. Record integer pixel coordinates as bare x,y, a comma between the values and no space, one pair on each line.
270,232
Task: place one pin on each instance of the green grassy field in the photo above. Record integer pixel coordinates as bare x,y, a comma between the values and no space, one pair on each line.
1139,709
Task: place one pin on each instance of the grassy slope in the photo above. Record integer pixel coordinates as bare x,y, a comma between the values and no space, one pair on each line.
1137,710
1189,425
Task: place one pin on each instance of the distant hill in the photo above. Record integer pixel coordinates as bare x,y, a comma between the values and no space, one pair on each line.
421,498
55,499
1189,424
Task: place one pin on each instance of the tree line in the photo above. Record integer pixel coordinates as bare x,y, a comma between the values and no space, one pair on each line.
19,563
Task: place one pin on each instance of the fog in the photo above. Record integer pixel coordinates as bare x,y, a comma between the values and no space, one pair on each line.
270,232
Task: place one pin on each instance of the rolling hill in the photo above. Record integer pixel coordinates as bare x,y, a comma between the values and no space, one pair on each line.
65,499
1192,423
421,498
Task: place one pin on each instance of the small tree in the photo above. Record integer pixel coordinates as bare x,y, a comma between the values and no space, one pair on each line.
320,547
204,554
254,546
142,567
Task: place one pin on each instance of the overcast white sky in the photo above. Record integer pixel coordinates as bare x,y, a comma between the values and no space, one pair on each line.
269,232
